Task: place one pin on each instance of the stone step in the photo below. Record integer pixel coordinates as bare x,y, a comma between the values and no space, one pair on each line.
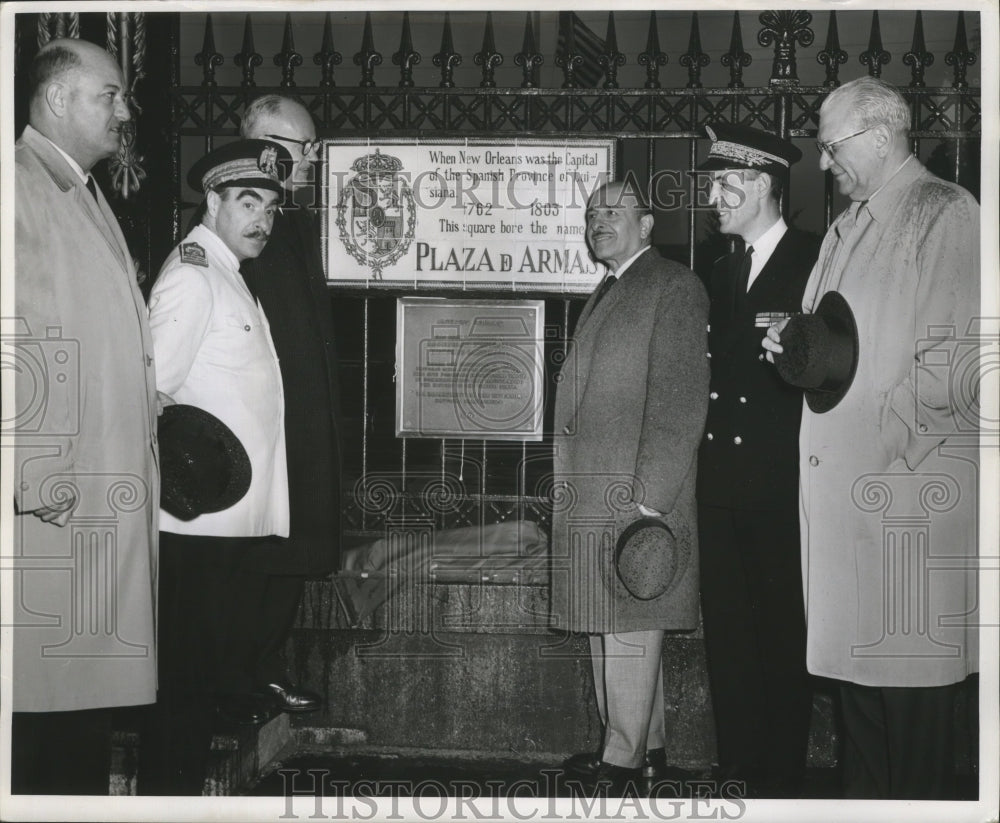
237,758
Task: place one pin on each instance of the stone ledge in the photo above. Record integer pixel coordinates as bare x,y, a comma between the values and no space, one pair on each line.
236,760
418,606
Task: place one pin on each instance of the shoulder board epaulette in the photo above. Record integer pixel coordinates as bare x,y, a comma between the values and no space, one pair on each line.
194,254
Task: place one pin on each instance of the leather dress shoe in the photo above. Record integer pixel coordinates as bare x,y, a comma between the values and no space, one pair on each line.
610,780
287,698
245,709
582,764
655,767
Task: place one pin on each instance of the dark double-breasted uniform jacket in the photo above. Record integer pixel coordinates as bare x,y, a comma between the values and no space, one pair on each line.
748,526
749,452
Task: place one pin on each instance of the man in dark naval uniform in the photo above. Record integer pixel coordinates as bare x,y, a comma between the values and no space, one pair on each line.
751,579
288,280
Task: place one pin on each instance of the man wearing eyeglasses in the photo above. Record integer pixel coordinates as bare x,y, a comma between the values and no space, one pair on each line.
288,280
888,490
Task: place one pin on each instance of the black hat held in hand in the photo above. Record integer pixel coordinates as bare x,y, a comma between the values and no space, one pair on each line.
204,467
820,352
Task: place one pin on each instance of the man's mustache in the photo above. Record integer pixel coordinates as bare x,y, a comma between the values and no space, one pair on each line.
257,234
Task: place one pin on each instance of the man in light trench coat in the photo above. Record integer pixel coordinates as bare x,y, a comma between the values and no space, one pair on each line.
629,414
888,476
86,476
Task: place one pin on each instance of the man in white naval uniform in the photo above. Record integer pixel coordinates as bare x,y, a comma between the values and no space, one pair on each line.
217,354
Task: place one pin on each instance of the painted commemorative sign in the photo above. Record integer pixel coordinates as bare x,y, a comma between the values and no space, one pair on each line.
462,214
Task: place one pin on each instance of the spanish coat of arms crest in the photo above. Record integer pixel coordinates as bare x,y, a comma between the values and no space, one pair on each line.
376,213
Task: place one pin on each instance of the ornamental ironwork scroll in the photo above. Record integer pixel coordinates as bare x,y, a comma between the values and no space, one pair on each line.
126,39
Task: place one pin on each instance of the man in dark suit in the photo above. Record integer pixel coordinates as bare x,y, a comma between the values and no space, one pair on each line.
288,280
751,579
629,413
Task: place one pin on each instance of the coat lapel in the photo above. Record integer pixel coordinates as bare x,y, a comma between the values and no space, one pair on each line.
98,212
104,218
591,315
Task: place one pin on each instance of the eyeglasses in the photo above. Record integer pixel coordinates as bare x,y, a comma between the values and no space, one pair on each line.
827,147
307,145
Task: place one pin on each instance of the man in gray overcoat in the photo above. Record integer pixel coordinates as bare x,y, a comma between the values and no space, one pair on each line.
630,409
888,473
86,476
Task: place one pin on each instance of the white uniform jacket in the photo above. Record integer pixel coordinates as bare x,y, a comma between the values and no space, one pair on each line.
214,350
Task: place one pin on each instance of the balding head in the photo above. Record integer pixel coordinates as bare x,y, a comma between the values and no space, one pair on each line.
279,118
863,135
77,99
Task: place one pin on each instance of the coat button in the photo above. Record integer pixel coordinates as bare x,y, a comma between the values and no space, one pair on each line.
246,327
923,428
760,356
743,400
710,436
737,440
814,460
708,354
708,327
714,395
24,486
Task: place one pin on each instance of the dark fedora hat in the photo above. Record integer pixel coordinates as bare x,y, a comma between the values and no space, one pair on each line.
646,558
203,466
820,352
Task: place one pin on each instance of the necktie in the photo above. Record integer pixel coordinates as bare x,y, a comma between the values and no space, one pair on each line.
743,279
603,289
92,187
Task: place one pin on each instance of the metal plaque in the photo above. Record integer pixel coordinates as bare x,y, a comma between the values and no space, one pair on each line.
469,368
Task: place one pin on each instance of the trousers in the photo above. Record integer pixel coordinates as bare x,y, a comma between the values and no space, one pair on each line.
899,742
628,684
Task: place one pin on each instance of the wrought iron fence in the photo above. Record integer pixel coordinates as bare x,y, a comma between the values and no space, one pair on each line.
454,482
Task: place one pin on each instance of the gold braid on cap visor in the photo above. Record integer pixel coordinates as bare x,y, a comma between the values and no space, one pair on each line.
744,154
244,168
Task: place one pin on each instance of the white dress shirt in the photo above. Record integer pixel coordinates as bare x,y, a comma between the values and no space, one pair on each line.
214,351
763,248
624,266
